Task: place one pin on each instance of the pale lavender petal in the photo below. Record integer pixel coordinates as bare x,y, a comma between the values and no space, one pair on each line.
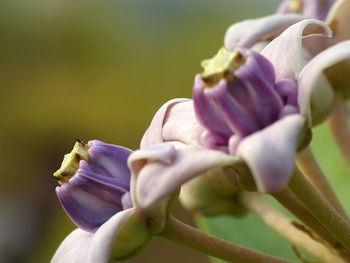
120,235
339,20
286,52
270,153
182,125
158,180
154,133
326,72
73,248
250,32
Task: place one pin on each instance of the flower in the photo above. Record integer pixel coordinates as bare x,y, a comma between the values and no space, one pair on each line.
117,208
94,183
258,108
308,8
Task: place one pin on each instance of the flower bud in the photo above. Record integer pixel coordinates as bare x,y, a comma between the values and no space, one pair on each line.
237,94
94,183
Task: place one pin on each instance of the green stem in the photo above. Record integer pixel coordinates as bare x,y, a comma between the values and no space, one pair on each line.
189,236
321,209
338,125
293,204
286,228
307,163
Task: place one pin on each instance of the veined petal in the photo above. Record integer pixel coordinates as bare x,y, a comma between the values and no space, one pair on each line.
286,52
154,133
120,235
270,153
327,72
250,32
339,20
158,180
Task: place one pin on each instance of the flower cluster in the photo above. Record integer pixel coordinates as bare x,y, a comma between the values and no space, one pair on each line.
253,109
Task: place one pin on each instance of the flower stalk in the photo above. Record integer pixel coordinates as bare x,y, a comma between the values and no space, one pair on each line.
189,236
307,163
321,209
287,228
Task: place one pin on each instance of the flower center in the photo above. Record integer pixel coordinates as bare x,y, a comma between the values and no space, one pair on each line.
222,65
296,5
71,161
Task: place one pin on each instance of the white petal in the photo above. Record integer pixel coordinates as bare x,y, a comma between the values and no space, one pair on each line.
250,32
154,133
286,51
270,153
339,20
328,71
122,234
158,180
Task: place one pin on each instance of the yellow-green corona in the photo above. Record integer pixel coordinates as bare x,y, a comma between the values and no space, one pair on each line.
220,65
296,5
71,161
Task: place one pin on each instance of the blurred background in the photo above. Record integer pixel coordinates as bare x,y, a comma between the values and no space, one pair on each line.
97,69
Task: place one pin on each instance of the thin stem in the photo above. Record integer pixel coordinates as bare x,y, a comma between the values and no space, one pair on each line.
189,236
293,204
321,209
337,123
307,163
286,228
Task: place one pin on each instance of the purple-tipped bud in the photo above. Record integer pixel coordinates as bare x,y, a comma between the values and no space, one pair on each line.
94,183
316,9
237,94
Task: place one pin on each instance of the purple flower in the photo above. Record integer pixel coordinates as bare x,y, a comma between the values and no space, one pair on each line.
111,203
258,108
94,183
315,9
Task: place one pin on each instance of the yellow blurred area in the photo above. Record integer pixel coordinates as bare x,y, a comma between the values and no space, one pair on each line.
90,70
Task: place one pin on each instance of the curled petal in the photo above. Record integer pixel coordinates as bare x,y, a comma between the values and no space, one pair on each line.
339,20
182,125
286,51
158,180
154,133
326,72
250,32
122,234
270,153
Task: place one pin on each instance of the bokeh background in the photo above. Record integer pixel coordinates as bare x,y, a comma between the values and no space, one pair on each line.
100,69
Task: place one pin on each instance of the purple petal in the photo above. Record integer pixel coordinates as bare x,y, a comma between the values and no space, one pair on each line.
109,160
207,111
119,236
326,72
158,180
250,32
88,200
286,51
339,21
270,153
154,133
